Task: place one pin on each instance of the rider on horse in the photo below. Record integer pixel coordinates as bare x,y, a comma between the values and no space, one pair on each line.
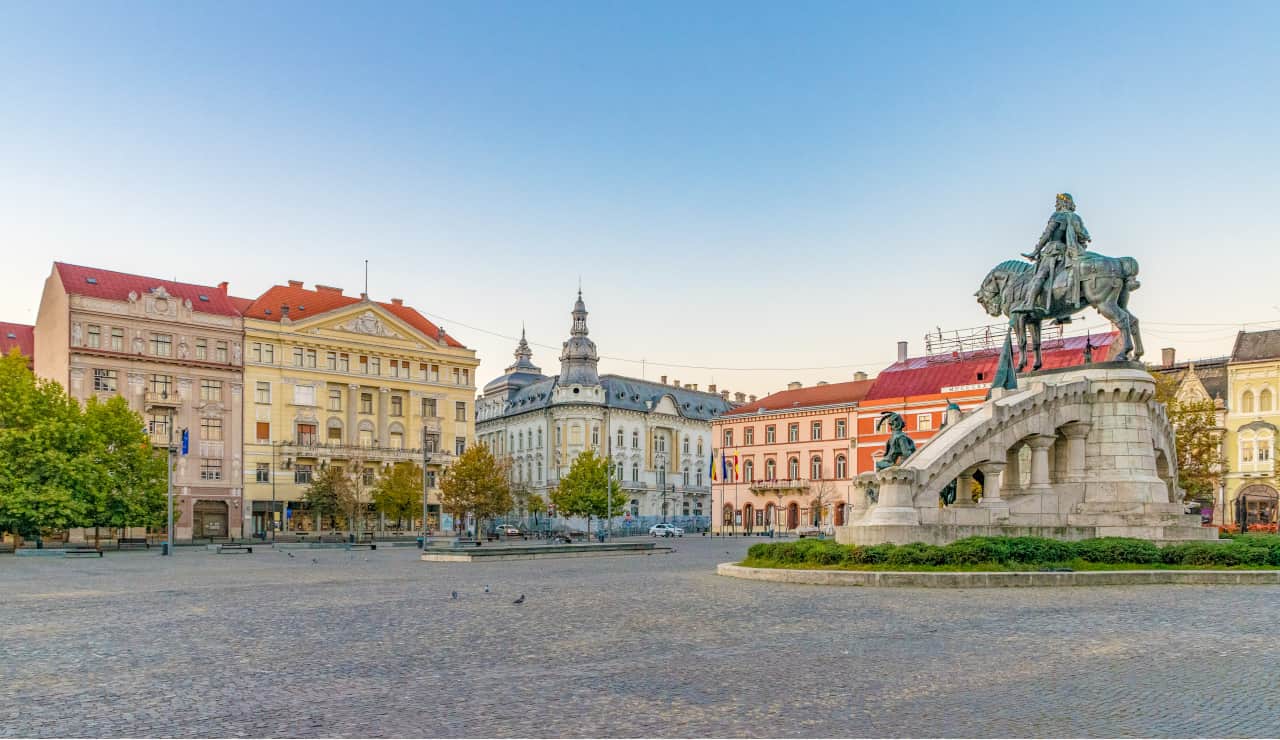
1061,247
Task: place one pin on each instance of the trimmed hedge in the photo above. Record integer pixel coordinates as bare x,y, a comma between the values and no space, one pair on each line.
1249,550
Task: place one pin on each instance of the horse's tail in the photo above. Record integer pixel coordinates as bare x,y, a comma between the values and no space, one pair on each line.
1129,271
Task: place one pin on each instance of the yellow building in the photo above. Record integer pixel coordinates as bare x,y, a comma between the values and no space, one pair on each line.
337,380
1253,416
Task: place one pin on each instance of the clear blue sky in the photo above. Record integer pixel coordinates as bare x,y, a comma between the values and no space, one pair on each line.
739,185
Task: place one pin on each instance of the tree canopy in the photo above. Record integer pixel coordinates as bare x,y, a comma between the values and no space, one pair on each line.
398,491
476,484
585,490
1198,439
330,494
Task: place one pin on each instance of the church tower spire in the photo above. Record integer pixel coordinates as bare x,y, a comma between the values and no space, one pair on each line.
579,360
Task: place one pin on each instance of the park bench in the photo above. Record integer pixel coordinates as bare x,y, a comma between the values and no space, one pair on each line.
124,542
235,549
81,552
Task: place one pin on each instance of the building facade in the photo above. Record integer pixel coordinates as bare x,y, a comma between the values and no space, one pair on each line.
174,351
1199,381
338,380
657,436
790,458
1251,421
20,337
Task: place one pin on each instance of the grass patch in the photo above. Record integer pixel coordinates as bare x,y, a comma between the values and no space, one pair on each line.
1249,552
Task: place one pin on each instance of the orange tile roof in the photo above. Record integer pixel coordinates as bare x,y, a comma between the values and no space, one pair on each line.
801,398
21,336
98,283
303,303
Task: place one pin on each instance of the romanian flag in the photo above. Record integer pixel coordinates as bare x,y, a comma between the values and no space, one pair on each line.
736,472
712,463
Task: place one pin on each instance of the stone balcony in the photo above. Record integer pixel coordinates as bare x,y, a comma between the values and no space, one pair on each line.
364,452
156,399
775,486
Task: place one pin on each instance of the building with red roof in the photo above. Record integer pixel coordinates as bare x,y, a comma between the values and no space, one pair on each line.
20,337
789,453
174,351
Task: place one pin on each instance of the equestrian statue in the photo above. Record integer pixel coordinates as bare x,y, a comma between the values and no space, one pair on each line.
1062,279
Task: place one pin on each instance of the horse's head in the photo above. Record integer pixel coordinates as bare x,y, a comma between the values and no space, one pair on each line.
990,295
995,294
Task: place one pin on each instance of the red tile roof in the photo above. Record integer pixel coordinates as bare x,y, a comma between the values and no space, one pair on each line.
241,304
21,336
817,395
98,283
918,376
303,303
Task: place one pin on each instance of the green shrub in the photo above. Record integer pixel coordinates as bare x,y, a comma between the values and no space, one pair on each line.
975,550
1039,550
1117,550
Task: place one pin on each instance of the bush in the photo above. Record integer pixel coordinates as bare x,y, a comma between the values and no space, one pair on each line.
974,550
1117,550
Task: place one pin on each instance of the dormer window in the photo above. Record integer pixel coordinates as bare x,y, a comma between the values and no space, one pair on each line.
91,280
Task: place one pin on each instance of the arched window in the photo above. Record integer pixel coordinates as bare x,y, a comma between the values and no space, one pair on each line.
1264,400
621,471
793,468
842,466
1246,447
539,470
686,444
595,435
635,472
1263,445
770,469
635,507
619,437
659,443
749,471
1246,402
815,468
528,471
699,446
539,438
635,439
686,475
699,478
728,515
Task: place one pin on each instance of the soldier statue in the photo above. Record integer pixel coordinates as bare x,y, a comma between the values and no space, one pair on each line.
1061,247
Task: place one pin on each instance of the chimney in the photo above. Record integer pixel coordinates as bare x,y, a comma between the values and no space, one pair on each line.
859,375
693,386
794,385
295,283
711,388
364,296
725,395
739,398
1167,356
676,383
284,310
397,301
663,380
751,399
439,331
328,289
821,382
222,286
902,351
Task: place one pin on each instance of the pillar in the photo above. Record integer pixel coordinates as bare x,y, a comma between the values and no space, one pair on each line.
383,395
353,405
1011,481
964,489
1075,434
992,478
1040,445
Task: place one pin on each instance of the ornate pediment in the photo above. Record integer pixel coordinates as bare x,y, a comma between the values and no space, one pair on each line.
368,323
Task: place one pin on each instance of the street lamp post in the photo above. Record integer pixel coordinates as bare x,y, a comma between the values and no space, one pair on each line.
168,548
426,529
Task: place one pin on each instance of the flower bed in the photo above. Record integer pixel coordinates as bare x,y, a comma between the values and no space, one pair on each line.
1018,553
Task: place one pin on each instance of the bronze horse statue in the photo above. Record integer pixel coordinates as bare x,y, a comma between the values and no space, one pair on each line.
1105,284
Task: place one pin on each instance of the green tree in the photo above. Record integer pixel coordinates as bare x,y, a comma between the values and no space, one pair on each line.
330,494
585,490
1198,439
131,485
46,475
398,492
476,484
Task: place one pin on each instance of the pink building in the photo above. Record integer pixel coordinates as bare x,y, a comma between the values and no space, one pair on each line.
795,453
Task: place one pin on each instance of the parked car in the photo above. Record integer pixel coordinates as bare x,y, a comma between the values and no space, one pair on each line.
665,530
509,530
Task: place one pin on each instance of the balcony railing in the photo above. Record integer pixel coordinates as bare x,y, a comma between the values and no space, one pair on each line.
432,423
303,448
162,398
780,485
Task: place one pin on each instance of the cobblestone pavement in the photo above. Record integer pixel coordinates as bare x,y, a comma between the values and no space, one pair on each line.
371,644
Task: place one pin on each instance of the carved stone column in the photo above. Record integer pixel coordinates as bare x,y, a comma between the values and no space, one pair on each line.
351,436
383,394
897,493
964,490
992,477
1040,445
1011,481
1075,433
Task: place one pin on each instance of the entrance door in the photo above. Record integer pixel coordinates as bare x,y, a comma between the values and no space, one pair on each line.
209,519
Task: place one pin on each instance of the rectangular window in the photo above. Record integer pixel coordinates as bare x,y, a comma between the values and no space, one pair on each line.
460,411
304,395
211,430
262,432
364,364
269,354
255,352
297,357
430,441
104,380
397,406
728,438
202,349
311,358
459,445
210,469
344,362
302,474
435,374
366,403
749,436
375,365
431,479
429,407
95,336
161,385
924,422
422,370
220,351
162,345
158,425
457,376
335,435
842,429
210,390
815,430
397,440
366,476
793,433
466,376
366,437
263,473
335,400
306,434
117,340
262,392
331,360
395,368
770,434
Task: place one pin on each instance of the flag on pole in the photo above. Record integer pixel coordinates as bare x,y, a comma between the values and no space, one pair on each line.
712,463
724,465
736,471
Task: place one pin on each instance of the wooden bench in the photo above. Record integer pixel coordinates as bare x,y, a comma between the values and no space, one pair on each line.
235,549
81,552
124,542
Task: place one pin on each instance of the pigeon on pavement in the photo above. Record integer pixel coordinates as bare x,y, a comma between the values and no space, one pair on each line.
486,588
289,554
313,560
519,600
453,595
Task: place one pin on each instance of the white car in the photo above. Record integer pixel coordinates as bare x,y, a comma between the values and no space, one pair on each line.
665,530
